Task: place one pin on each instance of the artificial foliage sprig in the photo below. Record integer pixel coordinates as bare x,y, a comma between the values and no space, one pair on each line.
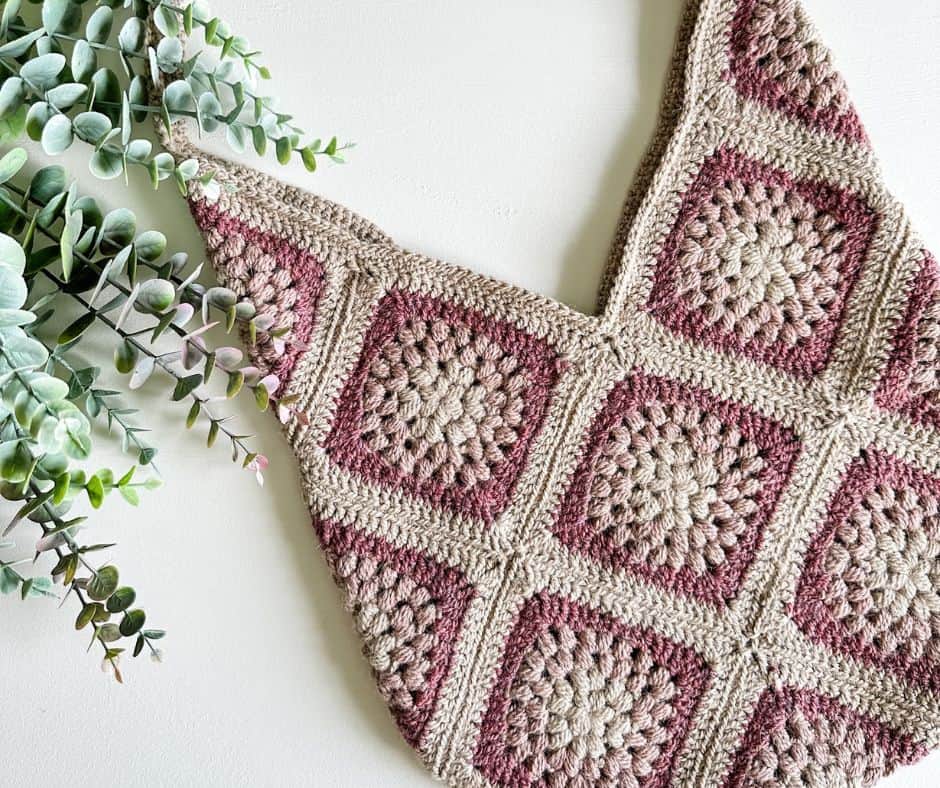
43,433
57,245
58,87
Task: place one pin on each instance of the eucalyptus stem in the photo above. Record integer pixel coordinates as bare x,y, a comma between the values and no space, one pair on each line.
61,283
158,358
113,414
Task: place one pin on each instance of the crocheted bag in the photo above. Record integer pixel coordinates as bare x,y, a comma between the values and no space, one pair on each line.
693,539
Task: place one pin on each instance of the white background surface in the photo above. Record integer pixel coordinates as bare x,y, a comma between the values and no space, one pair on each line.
500,136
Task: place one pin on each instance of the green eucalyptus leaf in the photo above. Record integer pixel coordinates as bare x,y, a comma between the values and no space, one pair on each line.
57,135
309,159
132,35
117,229
16,462
37,117
15,317
84,61
106,164
283,149
20,46
70,234
169,55
108,633
12,254
178,97
156,295
125,357
138,95
166,21
237,137
207,109
12,289
42,73
12,93
98,28
24,352
60,16
91,126
139,150
12,125
186,386
11,163
106,90
103,584
94,488
150,245
48,388
48,182
64,96
76,328
132,622
121,599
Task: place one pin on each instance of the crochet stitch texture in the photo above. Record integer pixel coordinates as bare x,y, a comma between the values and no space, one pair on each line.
692,540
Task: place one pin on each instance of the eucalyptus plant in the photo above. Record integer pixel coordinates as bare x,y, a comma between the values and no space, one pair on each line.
58,245
70,75
93,73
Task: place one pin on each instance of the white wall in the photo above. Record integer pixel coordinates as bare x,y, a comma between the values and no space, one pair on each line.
497,135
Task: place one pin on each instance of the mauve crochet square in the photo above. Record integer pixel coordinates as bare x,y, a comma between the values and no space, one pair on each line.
690,540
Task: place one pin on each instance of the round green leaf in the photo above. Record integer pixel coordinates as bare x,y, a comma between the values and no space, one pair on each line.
11,164
164,164
42,73
61,16
132,623
103,584
121,599
156,295
150,245
106,164
84,61
99,25
133,34
23,351
11,254
139,150
57,135
169,55
118,228
125,357
106,88
138,95
47,183
91,126
178,97
65,95
166,21
208,108
12,289
108,633
12,125
15,461
12,93
48,388
36,119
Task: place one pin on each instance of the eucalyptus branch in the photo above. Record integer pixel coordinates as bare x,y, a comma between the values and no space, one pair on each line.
58,100
216,424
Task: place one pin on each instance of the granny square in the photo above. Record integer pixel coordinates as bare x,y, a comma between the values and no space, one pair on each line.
444,403
676,486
